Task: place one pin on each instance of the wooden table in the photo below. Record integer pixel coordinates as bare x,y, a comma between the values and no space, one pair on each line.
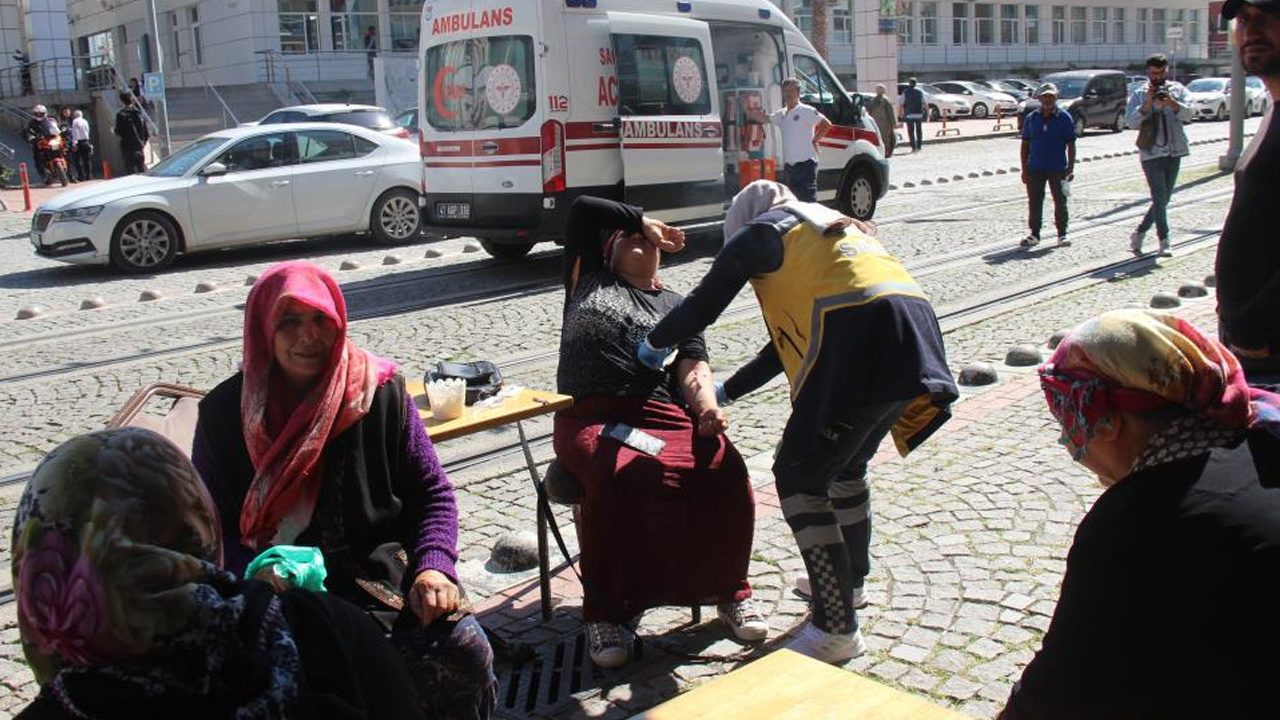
523,405
786,685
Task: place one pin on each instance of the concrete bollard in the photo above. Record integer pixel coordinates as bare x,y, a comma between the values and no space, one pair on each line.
150,296
1165,301
206,287
976,374
92,303
349,265
30,312
392,260
432,253
1193,290
1023,356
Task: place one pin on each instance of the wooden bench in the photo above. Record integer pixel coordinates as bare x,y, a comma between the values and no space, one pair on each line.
785,685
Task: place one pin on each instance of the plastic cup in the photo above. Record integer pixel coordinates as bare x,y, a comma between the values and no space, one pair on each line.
447,398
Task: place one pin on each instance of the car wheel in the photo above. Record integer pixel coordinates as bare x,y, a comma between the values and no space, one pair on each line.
144,242
1079,124
1221,114
1119,124
397,219
979,110
857,197
934,115
505,251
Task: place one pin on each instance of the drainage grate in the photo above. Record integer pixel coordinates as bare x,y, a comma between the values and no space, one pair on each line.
548,681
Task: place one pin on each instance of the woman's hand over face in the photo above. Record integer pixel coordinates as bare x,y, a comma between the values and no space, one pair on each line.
433,596
662,235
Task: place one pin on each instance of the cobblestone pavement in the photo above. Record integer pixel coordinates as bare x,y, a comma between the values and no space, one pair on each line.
971,529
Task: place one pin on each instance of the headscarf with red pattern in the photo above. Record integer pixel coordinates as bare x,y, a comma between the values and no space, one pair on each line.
1137,361
286,438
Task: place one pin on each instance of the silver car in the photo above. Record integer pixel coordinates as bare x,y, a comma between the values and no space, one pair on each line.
985,100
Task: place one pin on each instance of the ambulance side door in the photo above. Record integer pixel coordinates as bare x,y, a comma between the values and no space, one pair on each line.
669,115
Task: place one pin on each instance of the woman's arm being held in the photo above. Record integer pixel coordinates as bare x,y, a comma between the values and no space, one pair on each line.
700,393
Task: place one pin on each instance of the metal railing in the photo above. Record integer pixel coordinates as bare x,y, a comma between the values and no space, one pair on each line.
226,109
76,72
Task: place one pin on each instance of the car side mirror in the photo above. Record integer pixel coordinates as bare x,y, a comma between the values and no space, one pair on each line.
213,169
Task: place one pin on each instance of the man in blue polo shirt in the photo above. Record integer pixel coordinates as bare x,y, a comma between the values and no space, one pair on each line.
1048,156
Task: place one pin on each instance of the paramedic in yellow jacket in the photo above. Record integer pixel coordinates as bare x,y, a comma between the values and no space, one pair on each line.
862,351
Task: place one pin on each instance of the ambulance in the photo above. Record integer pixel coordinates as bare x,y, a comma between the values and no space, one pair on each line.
524,105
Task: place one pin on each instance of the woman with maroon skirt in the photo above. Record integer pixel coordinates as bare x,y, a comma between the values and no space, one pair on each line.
666,523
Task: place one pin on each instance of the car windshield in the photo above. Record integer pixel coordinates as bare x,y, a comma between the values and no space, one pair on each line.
929,89
1068,88
183,160
1206,85
372,119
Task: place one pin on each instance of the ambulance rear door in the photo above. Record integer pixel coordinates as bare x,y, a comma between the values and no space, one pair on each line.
672,138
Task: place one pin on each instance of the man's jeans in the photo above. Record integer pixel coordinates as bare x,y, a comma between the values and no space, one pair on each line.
802,178
1035,195
915,130
825,498
1162,175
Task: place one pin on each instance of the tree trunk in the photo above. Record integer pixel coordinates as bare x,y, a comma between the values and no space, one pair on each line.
821,12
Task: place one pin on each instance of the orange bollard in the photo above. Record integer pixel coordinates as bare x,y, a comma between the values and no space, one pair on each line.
26,185
106,170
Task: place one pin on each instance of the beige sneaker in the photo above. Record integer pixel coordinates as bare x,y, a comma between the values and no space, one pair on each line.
828,647
744,619
604,643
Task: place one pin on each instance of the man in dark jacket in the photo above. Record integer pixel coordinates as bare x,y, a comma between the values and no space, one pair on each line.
1248,265
131,128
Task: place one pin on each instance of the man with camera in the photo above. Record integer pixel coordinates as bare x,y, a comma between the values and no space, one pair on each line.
1158,112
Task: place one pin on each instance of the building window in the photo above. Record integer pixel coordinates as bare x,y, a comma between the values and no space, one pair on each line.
905,21
1031,16
842,26
960,23
406,24
1144,27
1193,27
197,39
1008,24
1059,24
299,27
354,24
1178,19
984,18
928,23
1098,34
1159,25
1117,26
1079,25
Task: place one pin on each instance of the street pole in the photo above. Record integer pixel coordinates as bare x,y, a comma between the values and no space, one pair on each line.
165,144
1235,142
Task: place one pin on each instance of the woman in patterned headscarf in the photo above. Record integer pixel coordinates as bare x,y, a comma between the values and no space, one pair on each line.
124,612
316,443
1173,582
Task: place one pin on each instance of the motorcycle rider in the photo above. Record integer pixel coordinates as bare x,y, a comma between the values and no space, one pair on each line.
39,127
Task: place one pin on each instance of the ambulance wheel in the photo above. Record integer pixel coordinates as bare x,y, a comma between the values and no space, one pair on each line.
396,217
505,251
857,197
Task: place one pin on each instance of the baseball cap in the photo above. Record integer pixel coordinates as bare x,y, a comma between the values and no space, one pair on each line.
1047,89
1231,8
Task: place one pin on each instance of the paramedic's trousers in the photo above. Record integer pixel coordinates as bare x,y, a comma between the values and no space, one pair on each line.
822,486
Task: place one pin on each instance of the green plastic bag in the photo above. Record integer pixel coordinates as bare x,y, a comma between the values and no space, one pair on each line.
301,567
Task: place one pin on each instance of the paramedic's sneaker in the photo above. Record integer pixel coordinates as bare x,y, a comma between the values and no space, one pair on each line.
828,647
605,644
1030,241
1135,242
1165,251
745,620
1063,241
805,590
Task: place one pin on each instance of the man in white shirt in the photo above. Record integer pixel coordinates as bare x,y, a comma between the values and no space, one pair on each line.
802,128
81,147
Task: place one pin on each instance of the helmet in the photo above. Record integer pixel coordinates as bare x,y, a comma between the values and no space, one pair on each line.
39,110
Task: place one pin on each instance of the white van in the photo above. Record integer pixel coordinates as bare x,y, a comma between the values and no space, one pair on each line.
527,104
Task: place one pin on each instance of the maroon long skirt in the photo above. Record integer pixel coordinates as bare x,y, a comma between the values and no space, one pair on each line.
670,530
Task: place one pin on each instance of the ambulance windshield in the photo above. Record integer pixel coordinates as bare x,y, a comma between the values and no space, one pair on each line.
480,84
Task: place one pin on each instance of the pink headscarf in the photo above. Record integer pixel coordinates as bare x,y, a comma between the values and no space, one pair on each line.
286,444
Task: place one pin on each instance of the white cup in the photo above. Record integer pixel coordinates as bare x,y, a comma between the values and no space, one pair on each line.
447,398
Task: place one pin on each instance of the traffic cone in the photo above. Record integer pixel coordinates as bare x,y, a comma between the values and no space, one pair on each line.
106,170
26,185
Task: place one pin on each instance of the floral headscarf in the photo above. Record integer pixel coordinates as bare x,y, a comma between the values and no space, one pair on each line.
286,443
115,546
1136,361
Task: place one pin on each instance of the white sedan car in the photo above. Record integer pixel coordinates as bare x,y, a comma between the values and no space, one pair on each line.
240,186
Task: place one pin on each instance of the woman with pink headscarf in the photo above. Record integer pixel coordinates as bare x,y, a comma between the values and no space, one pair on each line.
316,443
1172,589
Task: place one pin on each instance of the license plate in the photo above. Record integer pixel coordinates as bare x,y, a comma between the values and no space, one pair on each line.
453,211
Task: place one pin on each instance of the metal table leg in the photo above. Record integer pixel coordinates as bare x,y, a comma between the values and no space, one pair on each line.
544,564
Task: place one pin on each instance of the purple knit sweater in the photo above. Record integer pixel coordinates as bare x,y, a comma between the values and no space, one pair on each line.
435,512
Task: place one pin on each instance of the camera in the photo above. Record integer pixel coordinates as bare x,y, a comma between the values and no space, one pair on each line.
1162,94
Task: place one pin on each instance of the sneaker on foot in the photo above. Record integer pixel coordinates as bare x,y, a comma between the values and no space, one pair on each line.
1165,250
833,648
1030,241
805,590
604,641
744,619
1135,242
1063,241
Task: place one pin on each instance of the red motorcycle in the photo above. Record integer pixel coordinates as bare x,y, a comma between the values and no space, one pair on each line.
53,150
